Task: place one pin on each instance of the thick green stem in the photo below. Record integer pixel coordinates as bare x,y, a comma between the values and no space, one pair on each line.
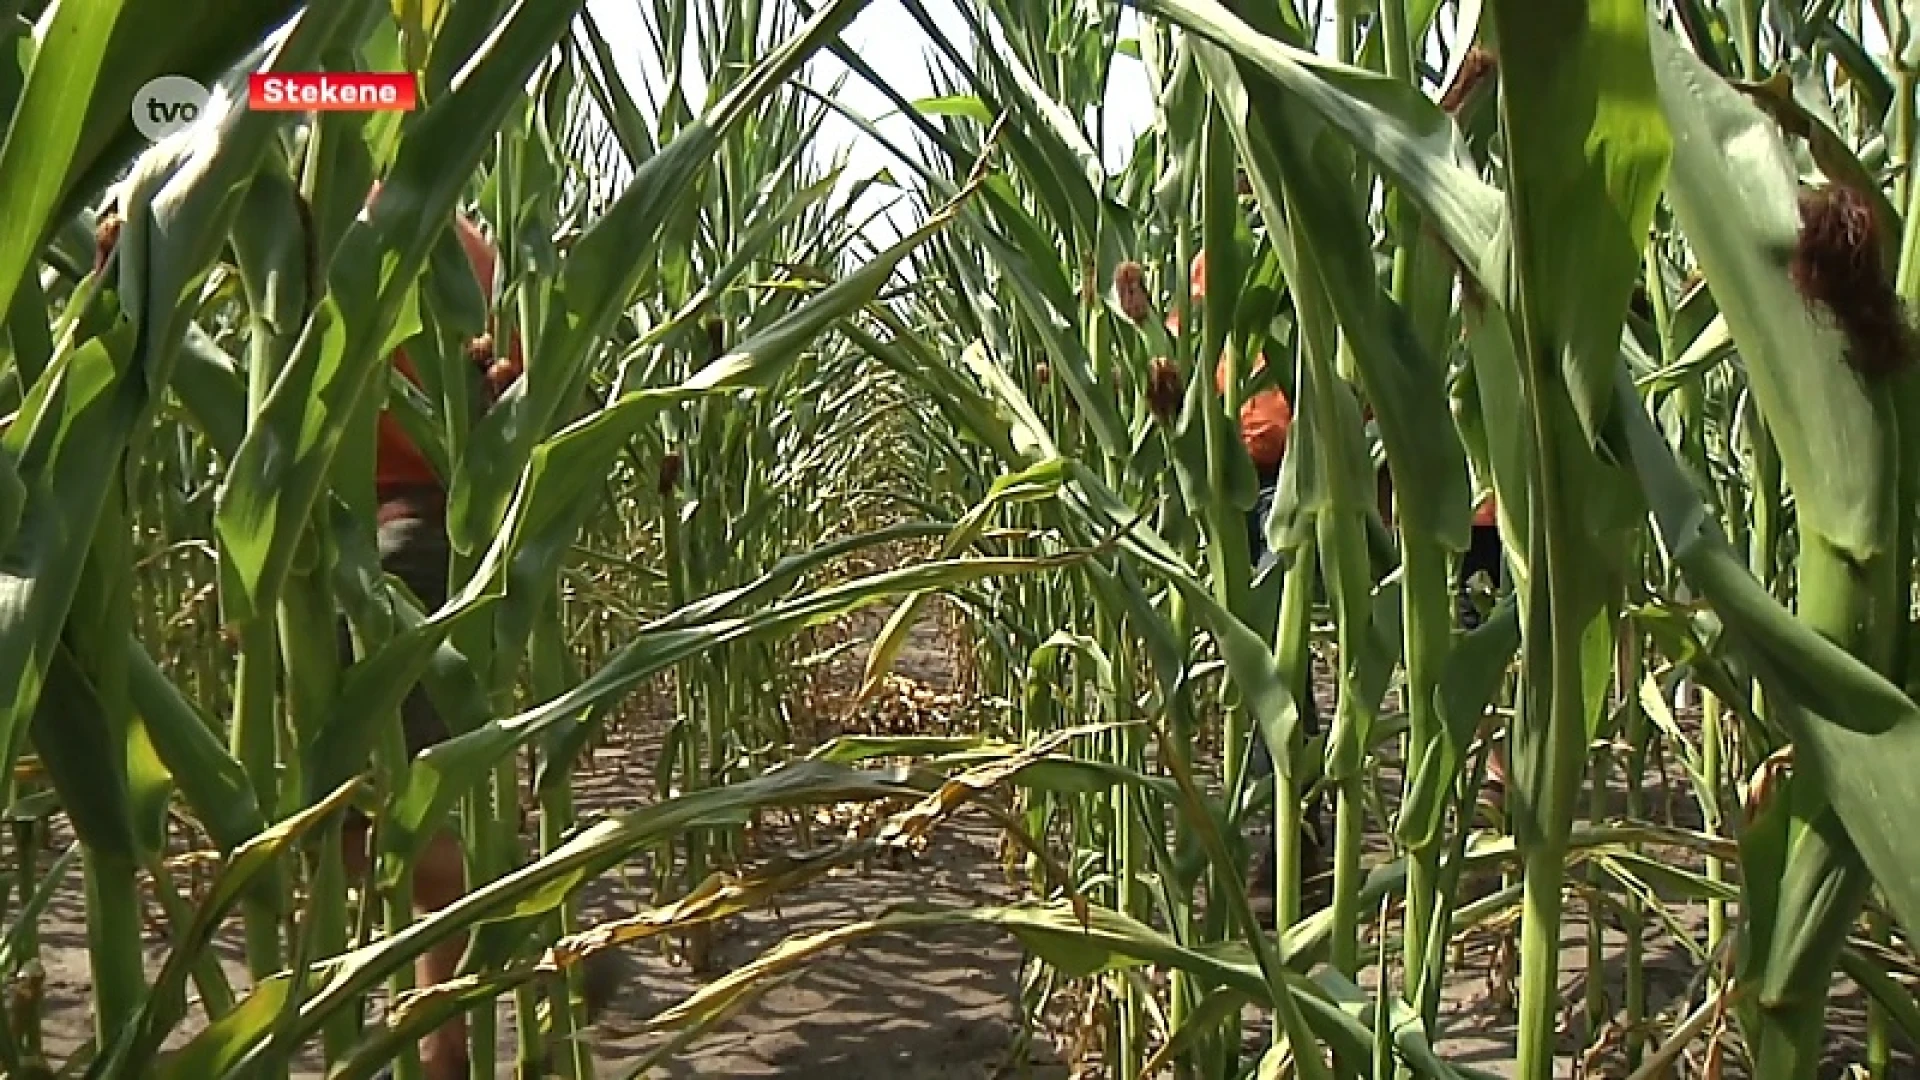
1822,890
552,673
1128,856
113,936
253,743
1295,659
309,650
392,887
686,718
1900,153
252,734
1712,741
1596,996
1350,823
1901,130
576,1063
1228,555
1426,613
27,831
1549,736
1824,883
1394,35
1632,919
526,999
1543,870
326,933
1565,605
1428,623
1746,18
1879,1031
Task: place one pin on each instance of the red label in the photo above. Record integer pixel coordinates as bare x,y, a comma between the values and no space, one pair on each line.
331,91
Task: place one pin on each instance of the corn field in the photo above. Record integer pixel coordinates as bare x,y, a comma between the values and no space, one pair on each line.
1531,690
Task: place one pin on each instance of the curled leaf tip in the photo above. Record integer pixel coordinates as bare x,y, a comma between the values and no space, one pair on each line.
1837,265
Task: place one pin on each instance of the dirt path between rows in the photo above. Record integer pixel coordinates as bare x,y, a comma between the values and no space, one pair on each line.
943,1006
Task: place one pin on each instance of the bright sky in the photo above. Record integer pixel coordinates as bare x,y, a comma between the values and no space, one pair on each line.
893,43
889,39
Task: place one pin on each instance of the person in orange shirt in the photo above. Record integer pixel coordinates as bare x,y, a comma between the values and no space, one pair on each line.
1265,419
412,533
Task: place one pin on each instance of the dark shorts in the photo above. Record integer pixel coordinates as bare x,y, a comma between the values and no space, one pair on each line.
1257,527
413,548
1257,550
1483,557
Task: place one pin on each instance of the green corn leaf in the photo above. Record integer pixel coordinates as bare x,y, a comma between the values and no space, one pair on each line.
1727,155
1399,129
1850,722
1039,482
280,467
213,784
1589,160
49,126
131,1054
63,440
446,770
1294,170
529,890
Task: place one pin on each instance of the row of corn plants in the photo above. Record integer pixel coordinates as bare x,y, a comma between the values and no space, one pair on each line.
654,499
1637,272
1598,260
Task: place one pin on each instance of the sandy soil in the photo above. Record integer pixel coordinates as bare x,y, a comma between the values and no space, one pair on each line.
942,1007
939,1008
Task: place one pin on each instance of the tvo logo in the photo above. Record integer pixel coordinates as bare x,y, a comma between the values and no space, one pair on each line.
167,105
